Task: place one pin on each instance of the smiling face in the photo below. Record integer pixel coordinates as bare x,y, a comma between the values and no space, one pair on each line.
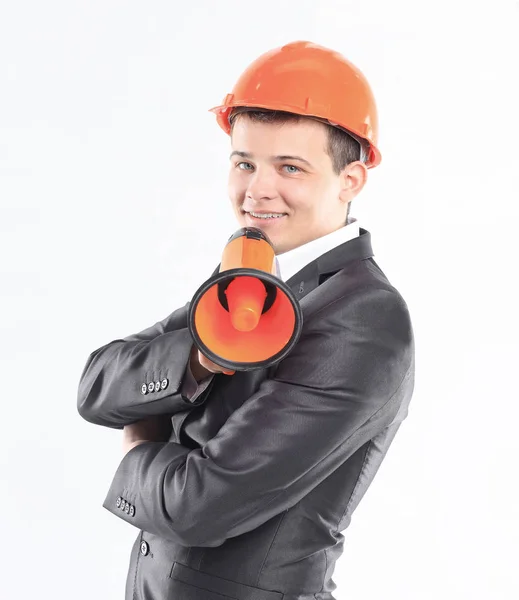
284,168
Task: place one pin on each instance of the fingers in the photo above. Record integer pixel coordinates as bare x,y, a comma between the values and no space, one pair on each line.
212,366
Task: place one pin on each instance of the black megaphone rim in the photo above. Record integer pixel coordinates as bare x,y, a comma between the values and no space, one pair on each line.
264,276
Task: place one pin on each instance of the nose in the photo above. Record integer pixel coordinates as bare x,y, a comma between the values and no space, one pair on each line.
261,186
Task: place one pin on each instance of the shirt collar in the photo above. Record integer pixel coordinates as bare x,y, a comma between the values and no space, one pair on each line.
289,263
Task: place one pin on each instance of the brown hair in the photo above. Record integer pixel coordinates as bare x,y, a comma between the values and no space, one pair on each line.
342,148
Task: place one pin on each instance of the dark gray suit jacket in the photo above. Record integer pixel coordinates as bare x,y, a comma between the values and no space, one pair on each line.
248,498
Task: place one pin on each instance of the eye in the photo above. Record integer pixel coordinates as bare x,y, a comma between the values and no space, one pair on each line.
243,163
297,169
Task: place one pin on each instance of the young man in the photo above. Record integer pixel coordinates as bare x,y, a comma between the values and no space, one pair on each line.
241,485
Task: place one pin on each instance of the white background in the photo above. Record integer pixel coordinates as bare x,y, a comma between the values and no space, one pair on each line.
114,210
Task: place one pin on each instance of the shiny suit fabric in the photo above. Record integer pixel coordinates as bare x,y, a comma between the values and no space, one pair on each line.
260,476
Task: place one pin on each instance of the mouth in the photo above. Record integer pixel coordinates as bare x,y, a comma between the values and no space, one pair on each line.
262,218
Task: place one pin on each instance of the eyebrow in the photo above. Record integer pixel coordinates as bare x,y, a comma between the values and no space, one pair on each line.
278,157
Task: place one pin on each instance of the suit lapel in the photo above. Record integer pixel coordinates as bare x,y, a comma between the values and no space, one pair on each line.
329,263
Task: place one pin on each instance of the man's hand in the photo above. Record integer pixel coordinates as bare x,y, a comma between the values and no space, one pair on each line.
201,366
153,429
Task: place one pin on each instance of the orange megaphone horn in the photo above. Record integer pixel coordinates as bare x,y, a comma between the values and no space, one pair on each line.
244,316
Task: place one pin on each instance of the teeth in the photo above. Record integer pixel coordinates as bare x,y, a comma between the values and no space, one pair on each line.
267,215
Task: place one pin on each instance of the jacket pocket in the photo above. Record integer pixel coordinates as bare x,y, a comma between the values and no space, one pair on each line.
211,587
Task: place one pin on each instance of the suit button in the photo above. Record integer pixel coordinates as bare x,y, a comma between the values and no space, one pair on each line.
144,548
144,389
151,386
118,502
157,386
164,383
123,504
127,508
132,510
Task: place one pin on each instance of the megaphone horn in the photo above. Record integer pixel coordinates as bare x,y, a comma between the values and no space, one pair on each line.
245,317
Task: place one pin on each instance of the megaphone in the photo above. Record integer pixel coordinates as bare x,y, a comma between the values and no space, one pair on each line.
245,317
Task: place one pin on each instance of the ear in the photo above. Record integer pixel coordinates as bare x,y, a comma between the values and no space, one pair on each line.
352,179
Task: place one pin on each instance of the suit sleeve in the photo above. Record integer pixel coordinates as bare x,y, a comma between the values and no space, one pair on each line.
139,376
341,384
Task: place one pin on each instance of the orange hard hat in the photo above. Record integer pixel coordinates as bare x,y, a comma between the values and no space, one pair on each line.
310,80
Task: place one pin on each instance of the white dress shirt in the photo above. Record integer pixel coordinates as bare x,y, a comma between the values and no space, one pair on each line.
287,264
294,260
